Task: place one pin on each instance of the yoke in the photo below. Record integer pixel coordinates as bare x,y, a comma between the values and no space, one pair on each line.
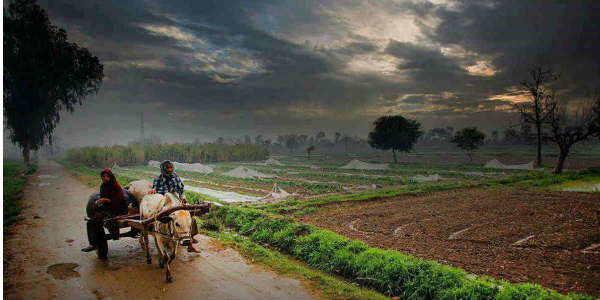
132,219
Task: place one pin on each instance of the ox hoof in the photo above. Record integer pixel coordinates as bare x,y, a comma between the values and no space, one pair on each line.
149,261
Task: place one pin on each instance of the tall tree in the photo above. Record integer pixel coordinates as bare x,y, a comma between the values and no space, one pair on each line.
573,124
469,139
495,136
43,74
310,149
396,133
291,141
540,107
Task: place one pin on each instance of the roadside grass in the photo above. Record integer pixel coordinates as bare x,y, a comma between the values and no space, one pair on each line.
325,285
14,182
388,271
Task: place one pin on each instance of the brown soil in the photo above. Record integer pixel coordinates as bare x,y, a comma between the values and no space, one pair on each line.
476,229
42,257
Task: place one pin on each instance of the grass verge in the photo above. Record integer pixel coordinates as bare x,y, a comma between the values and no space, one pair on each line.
387,271
14,182
325,285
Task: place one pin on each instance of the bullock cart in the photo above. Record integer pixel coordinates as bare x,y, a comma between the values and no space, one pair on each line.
132,220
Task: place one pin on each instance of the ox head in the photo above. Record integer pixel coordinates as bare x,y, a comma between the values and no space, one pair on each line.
180,224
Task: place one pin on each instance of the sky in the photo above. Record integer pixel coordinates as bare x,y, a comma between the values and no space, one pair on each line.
204,69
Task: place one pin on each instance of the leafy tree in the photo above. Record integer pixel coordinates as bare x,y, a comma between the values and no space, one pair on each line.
469,139
495,136
541,105
43,73
571,125
396,133
320,137
291,141
336,137
310,149
511,136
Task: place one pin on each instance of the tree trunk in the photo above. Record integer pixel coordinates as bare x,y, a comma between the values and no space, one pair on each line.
395,158
539,145
26,154
564,151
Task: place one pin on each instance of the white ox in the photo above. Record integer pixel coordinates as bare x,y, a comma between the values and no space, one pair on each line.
168,230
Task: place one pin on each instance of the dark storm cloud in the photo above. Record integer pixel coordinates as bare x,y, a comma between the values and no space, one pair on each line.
520,34
237,67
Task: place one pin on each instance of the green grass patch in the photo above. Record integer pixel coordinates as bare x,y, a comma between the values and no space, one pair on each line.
325,285
14,182
387,271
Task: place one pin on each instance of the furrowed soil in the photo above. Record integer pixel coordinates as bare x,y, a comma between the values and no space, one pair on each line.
513,234
42,257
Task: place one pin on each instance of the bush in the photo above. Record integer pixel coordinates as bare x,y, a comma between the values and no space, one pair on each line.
527,291
484,288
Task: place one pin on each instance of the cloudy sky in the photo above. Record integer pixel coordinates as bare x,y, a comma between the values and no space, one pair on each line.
203,69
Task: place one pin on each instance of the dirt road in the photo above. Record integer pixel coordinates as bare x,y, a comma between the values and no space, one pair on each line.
42,259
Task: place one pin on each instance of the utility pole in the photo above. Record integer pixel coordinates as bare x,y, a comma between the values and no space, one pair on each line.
142,125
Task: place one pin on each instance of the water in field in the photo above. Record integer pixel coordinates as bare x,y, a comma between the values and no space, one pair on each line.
222,195
587,187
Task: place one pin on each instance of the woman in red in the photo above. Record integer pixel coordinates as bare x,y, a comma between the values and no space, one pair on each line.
110,201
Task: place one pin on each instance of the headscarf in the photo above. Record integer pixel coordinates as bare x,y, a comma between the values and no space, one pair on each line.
112,190
163,168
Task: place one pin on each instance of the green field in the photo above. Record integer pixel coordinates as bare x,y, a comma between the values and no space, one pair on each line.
321,181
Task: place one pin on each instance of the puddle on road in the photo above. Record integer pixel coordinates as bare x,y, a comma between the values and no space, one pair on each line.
43,184
46,176
63,271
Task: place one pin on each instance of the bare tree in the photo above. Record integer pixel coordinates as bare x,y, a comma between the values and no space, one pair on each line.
541,106
570,124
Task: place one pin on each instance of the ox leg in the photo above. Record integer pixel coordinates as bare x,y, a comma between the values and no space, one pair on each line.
146,246
161,251
169,278
169,255
174,247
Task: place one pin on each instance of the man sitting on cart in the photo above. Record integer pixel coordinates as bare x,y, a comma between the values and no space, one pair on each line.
169,182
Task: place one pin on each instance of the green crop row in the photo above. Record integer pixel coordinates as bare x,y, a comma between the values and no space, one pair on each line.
387,271
140,154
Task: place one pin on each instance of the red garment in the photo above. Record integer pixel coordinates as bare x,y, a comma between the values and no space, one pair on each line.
113,191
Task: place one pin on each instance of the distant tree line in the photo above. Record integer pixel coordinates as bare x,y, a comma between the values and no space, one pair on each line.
301,143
